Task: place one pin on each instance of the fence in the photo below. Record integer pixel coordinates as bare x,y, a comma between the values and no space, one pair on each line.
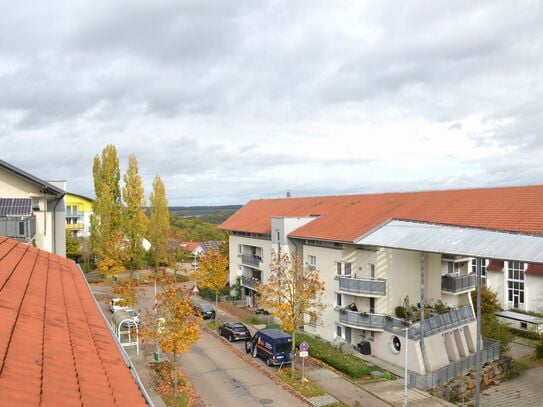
489,352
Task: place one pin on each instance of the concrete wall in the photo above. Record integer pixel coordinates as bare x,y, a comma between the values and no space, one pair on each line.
534,288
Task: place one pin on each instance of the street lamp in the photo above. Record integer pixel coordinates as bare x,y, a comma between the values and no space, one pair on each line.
406,322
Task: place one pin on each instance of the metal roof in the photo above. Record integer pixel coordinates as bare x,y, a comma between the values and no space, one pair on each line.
520,317
455,240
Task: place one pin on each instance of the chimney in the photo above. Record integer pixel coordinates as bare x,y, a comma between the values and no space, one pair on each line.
288,194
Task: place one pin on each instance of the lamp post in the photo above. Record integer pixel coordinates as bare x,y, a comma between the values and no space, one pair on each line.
405,396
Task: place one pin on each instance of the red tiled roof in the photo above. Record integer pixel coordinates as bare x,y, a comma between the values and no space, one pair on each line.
495,265
55,349
346,217
535,269
190,246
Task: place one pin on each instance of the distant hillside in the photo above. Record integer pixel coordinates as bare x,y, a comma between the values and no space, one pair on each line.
209,214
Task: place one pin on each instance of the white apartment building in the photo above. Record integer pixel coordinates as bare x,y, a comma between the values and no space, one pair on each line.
376,253
33,210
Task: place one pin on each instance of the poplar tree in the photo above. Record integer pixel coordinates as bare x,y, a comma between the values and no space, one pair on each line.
134,219
159,223
106,233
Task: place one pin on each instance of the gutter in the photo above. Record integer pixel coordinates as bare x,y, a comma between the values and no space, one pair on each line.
127,360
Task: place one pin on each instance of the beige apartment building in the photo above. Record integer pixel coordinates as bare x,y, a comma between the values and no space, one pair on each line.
384,253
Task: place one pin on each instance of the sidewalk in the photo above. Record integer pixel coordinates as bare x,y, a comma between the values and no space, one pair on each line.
380,394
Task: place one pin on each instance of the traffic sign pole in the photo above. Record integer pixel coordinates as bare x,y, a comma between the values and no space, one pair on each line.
304,347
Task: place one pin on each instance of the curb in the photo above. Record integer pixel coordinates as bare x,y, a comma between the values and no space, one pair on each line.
250,360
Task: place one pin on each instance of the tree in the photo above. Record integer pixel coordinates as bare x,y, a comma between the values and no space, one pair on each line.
212,272
106,218
179,328
134,219
159,223
491,327
128,293
292,292
72,246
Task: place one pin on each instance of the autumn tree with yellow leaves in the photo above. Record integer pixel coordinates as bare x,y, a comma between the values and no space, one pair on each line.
291,292
179,328
212,272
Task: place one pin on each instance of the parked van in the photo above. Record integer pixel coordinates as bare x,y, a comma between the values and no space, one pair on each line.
272,345
114,305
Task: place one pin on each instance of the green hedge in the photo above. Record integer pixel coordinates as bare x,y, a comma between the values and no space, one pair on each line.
526,334
350,365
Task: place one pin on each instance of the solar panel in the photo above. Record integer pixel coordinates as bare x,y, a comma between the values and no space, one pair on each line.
15,207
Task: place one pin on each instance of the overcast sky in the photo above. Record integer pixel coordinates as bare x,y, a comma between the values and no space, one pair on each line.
233,100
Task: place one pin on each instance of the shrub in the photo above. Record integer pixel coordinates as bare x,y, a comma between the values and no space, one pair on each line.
440,307
525,334
489,300
492,328
323,350
539,350
400,312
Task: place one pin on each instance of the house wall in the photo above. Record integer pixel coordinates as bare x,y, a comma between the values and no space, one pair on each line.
495,281
50,220
534,287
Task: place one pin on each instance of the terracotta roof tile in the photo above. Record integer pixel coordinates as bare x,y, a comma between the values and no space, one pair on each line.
346,217
55,348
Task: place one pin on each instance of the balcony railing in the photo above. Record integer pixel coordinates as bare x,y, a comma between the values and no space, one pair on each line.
362,285
362,319
458,284
249,282
73,226
250,260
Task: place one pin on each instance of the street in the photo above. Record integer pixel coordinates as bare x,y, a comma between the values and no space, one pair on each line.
223,379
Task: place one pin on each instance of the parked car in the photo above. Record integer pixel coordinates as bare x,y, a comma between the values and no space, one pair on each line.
114,305
134,315
205,310
234,331
272,345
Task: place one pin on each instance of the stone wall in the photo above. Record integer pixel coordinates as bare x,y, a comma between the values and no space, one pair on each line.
463,387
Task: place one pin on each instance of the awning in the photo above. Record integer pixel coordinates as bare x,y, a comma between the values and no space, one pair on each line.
455,240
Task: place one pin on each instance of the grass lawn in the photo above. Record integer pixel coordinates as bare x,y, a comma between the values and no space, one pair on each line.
261,320
352,366
308,389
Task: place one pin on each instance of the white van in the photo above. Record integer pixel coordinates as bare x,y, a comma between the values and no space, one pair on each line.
114,305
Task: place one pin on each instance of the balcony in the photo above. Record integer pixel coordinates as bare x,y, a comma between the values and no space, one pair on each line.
459,284
363,320
250,260
443,322
74,226
363,286
250,282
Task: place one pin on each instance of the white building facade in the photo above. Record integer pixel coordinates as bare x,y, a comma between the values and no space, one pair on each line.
367,286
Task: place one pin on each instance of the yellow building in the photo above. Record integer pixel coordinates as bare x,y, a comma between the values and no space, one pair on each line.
78,213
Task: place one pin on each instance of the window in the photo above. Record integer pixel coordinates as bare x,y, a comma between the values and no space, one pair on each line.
278,237
74,209
339,332
348,269
524,325
312,261
453,268
338,300
372,270
313,319
515,283
483,269
21,228
239,249
372,305
338,268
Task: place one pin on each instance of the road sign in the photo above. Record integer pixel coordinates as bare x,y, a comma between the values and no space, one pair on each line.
137,275
195,290
304,353
304,346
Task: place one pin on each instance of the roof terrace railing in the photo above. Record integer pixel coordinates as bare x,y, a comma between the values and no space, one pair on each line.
250,260
362,319
249,282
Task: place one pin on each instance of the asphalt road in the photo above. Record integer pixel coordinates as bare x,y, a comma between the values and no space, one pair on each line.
223,379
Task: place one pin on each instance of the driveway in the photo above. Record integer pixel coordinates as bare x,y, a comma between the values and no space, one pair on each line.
524,390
